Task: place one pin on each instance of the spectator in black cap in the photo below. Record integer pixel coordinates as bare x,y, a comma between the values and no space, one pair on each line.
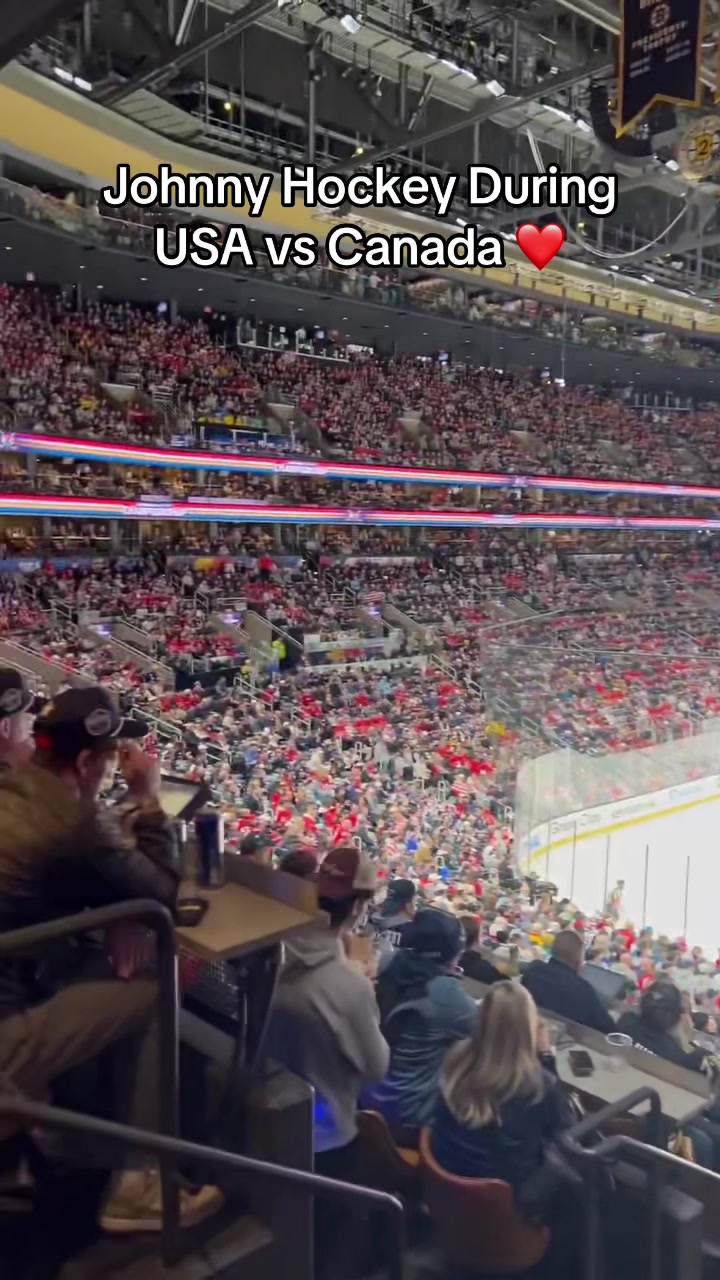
61,852
257,848
397,912
424,1009
472,962
18,705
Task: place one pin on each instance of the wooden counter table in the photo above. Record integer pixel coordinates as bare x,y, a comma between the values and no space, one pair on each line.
683,1094
239,920
238,944
680,1100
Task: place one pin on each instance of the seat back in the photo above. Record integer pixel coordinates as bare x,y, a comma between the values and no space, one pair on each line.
478,1225
384,1164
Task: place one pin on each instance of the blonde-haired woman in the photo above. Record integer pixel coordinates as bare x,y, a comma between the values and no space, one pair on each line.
500,1100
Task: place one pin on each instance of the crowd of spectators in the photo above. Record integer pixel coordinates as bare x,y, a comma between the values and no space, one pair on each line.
386,771
56,363
385,740
131,228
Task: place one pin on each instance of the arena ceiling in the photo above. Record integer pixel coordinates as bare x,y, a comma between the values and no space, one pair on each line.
432,85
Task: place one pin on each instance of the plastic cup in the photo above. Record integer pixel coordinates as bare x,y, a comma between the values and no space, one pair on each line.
619,1046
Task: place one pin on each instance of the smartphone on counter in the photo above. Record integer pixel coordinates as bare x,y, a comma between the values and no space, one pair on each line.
581,1064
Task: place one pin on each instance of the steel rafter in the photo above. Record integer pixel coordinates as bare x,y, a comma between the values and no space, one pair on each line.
157,75
20,24
485,110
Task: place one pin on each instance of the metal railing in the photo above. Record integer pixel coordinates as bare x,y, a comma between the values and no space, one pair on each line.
163,728
158,919
592,1161
140,657
172,1151
457,302
146,642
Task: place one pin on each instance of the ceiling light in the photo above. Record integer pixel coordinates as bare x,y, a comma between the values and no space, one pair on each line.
143,279
350,24
62,74
99,286
82,84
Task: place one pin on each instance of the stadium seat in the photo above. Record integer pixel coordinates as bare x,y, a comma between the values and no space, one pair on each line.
479,1227
384,1164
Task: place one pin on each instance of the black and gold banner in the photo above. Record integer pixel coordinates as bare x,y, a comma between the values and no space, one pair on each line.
660,47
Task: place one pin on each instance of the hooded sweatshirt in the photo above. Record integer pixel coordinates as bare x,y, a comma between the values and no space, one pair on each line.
424,1010
661,1043
325,1028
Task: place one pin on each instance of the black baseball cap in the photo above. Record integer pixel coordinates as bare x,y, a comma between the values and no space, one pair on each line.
436,934
78,719
16,695
400,892
254,843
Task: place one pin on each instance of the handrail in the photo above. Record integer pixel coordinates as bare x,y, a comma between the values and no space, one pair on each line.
156,917
162,670
593,1159
570,1139
176,1150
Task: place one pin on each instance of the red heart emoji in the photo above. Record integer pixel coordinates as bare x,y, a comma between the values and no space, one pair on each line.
540,244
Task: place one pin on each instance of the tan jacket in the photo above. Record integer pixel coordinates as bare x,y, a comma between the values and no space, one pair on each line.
59,856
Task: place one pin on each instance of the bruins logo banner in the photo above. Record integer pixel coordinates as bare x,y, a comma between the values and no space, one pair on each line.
660,48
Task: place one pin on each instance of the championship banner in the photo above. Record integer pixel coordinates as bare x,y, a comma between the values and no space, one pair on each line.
660,50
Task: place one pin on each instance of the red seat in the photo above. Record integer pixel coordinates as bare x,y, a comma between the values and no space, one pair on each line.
478,1224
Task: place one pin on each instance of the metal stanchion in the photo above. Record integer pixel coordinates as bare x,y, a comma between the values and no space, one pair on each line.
574,855
645,885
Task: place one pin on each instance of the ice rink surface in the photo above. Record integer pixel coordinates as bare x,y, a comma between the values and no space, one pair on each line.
670,864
